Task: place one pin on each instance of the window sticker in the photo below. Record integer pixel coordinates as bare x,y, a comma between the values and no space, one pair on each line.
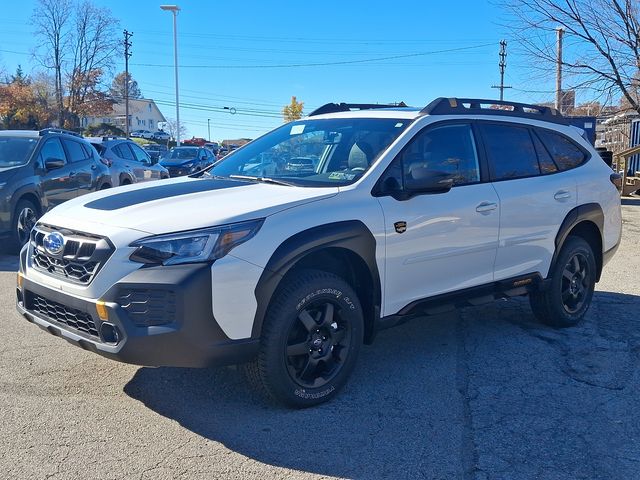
296,129
342,176
399,124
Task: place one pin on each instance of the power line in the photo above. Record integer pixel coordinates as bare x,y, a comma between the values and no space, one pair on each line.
324,64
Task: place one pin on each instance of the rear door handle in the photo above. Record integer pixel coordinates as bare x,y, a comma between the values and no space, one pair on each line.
562,195
486,207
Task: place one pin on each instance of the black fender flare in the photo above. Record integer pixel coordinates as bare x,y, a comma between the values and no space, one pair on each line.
352,235
591,212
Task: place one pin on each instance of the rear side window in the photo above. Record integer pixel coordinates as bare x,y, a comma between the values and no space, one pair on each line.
510,151
547,164
76,151
565,153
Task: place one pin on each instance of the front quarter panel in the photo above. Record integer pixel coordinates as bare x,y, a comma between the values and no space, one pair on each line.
235,308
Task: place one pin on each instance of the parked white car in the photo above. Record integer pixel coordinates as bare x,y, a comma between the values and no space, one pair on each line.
406,212
146,134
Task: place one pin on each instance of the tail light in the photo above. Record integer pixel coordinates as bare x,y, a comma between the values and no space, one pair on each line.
106,161
616,179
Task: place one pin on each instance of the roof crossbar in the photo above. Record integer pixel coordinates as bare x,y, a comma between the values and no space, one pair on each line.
46,131
347,107
476,106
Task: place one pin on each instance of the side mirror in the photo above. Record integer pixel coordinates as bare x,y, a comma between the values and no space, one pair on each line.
423,180
53,163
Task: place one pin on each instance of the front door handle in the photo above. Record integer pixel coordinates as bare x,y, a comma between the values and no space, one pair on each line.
562,195
486,207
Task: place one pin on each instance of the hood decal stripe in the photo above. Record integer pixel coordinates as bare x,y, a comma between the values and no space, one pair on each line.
158,192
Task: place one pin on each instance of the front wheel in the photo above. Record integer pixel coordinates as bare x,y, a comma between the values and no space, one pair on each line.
310,341
568,295
24,218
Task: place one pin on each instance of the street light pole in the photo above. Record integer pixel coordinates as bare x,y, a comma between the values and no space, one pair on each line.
175,9
208,129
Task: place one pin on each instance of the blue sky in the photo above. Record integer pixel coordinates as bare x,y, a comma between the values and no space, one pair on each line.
446,48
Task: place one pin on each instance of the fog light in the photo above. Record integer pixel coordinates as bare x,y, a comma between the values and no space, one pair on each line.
101,308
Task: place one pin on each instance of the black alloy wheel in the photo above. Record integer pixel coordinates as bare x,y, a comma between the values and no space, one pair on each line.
317,345
310,341
576,279
26,216
563,300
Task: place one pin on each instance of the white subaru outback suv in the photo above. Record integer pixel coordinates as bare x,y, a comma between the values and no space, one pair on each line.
395,213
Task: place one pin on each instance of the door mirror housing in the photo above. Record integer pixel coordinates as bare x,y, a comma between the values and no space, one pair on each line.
422,181
53,163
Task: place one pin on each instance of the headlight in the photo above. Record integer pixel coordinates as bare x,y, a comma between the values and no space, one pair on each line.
194,246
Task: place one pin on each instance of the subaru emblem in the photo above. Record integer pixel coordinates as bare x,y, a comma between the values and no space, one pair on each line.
53,243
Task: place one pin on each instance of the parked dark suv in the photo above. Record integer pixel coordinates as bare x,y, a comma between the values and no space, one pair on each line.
187,160
128,162
39,170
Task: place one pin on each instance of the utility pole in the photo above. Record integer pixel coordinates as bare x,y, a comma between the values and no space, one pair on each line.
127,54
560,32
503,66
209,129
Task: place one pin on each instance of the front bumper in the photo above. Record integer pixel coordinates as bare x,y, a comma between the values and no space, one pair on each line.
180,296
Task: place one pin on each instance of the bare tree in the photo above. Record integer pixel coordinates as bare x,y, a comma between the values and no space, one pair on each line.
117,90
52,19
77,43
93,45
602,51
171,127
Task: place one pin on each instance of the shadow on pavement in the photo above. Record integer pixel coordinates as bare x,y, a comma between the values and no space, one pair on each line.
405,411
393,419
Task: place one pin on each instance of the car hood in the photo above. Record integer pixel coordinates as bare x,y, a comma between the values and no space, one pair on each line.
175,162
180,204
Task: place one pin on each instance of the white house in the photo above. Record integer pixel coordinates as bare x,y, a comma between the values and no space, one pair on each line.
144,114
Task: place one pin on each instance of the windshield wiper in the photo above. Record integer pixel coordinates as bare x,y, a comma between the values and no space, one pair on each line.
262,180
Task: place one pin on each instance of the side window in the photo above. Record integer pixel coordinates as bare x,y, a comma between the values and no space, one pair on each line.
139,154
445,149
76,151
547,164
122,150
564,152
510,151
52,149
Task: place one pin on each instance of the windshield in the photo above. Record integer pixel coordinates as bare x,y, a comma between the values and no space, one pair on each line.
183,153
15,151
314,153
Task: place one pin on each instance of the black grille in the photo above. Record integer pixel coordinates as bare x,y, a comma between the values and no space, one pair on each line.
80,260
177,171
71,317
148,307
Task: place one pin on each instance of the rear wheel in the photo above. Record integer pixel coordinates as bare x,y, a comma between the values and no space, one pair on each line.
310,341
568,295
24,218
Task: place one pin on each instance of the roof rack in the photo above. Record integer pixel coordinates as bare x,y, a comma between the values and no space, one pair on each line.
347,107
46,131
477,106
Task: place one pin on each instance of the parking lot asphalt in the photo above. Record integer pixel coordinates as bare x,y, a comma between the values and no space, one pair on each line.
482,393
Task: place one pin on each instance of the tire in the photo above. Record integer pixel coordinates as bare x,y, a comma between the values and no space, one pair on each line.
105,186
24,218
126,181
311,338
567,297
